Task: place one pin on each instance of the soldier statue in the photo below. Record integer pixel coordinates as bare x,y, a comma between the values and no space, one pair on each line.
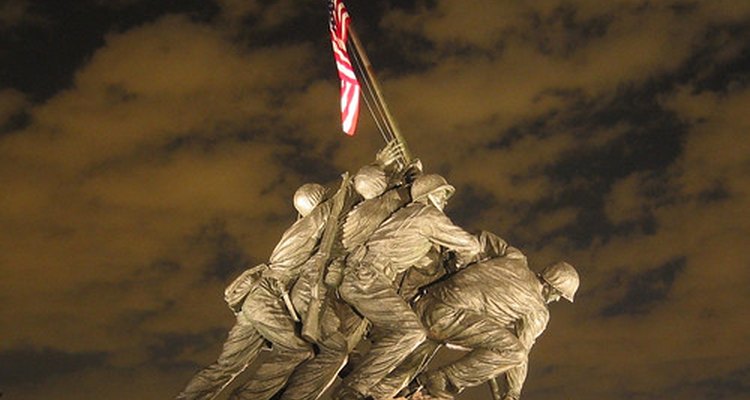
495,309
354,259
265,310
369,285
382,186
392,224
262,313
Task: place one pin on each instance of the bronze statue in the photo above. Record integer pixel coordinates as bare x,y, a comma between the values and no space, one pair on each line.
374,247
382,186
265,310
495,309
262,312
369,285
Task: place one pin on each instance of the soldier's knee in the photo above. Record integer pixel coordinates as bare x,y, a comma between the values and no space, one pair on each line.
513,356
231,363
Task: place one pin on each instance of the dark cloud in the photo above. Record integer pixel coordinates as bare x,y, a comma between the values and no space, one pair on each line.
14,13
646,290
728,386
34,366
168,349
228,256
15,123
467,208
41,58
150,152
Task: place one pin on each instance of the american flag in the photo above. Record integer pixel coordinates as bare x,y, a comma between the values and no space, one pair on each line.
339,25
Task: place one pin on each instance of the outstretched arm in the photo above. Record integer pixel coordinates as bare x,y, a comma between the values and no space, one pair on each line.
492,245
442,231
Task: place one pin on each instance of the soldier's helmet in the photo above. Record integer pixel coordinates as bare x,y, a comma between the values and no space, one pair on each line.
563,277
307,197
430,183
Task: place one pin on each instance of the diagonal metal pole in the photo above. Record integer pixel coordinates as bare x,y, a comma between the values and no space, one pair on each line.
368,76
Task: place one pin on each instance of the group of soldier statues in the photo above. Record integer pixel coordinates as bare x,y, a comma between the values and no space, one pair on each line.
378,259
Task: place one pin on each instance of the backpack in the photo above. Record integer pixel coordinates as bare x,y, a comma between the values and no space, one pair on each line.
236,292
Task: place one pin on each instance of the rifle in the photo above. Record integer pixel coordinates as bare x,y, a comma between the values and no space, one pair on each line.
326,250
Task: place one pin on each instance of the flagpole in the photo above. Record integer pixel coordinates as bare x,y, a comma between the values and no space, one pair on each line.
369,75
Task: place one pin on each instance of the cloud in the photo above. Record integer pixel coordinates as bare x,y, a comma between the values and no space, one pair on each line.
606,134
165,133
31,366
104,383
238,9
266,15
546,47
714,157
663,265
663,290
14,13
12,106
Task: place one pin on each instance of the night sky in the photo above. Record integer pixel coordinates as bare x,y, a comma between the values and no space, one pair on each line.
149,151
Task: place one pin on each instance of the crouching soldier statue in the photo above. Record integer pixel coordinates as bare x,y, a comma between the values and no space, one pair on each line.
494,309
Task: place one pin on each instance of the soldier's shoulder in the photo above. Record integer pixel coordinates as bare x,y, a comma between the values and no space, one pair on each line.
429,210
510,267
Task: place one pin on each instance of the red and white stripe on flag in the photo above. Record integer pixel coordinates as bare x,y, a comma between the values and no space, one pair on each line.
339,26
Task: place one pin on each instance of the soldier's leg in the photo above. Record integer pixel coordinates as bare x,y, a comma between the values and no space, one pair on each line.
269,315
242,346
398,328
435,317
494,350
400,377
314,376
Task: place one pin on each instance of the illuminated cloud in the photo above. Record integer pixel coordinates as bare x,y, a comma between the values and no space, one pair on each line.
608,134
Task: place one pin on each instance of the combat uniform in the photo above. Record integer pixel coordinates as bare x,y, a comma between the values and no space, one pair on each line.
264,316
495,309
368,285
338,322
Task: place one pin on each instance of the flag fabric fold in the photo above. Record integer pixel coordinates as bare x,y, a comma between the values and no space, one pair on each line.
350,88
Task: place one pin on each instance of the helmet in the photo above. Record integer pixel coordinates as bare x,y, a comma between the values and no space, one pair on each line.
563,277
307,197
370,182
430,183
